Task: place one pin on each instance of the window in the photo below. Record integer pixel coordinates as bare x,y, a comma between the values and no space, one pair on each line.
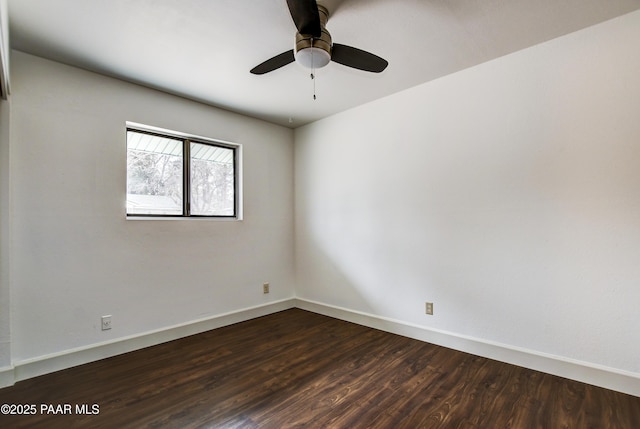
170,174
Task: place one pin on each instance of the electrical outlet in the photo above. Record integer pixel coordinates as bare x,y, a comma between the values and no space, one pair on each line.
106,323
265,288
429,308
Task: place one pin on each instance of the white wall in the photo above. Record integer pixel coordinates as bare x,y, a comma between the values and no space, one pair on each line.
5,291
508,194
74,256
5,87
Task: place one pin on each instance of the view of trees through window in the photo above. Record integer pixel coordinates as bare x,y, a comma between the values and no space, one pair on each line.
212,180
155,177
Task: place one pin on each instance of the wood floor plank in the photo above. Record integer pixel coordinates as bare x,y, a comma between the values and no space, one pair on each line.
297,369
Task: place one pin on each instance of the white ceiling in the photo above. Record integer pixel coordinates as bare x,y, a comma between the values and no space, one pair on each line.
204,49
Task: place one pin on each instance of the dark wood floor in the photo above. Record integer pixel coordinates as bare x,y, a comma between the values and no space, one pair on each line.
300,369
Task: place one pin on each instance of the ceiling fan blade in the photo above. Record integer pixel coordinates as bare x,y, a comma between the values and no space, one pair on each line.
274,63
357,58
306,17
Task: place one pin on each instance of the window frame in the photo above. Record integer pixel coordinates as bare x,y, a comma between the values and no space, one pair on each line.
186,140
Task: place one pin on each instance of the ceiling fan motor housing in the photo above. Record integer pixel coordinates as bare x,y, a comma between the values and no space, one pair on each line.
314,52
313,45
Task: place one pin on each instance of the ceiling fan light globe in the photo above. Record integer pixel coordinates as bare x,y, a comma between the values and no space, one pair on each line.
313,58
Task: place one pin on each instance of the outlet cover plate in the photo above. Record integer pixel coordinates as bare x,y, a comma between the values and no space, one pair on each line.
429,308
106,323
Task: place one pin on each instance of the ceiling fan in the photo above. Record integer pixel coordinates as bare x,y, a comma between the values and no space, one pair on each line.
314,48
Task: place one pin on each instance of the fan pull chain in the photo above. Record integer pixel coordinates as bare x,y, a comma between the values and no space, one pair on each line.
313,69
314,86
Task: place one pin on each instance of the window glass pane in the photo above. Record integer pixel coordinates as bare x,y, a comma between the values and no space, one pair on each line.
154,174
212,180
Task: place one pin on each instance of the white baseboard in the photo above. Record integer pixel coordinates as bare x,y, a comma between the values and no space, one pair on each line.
609,378
7,377
70,358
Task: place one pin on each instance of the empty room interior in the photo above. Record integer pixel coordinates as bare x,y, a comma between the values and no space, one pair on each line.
461,175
